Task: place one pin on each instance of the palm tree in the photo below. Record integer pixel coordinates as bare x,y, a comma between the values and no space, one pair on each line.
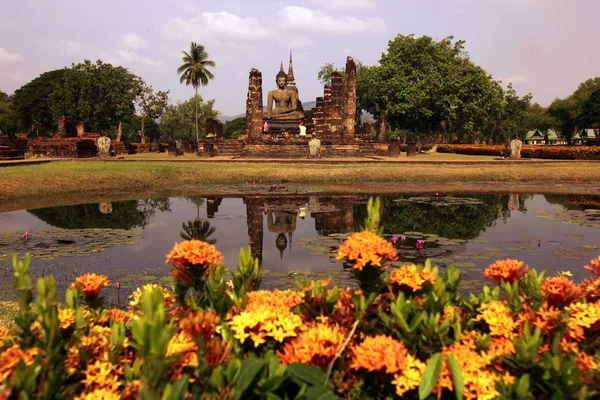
199,230
194,72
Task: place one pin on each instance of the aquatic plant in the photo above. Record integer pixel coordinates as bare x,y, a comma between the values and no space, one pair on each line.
411,336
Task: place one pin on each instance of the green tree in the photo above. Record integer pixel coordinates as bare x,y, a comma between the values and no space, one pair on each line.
99,94
427,85
194,71
8,119
152,105
234,128
590,116
325,73
178,119
583,92
32,103
563,112
538,118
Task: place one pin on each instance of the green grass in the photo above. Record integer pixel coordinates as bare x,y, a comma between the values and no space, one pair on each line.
78,179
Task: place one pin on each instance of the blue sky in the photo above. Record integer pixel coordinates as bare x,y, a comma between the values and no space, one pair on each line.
546,47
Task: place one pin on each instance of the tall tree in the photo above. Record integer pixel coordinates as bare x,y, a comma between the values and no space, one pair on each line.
194,71
8,119
564,117
151,105
33,106
426,85
590,116
325,72
538,118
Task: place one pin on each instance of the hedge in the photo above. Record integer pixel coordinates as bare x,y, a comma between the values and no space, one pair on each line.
527,151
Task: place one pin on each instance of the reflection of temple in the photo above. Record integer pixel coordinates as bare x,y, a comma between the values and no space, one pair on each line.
331,214
212,206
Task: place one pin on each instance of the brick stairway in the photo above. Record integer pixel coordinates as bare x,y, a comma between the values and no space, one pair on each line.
230,148
8,153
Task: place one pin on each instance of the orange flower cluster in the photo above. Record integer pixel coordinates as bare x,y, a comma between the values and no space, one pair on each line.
260,325
317,345
506,270
384,354
366,248
90,285
583,316
412,278
276,299
9,360
66,318
560,290
192,253
594,269
199,323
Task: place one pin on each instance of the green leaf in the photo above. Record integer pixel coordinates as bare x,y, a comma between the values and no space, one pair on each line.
248,371
457,377
430,376
318,393
523,387
310,374
177,390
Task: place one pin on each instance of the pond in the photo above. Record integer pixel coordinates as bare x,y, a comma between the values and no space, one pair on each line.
296,236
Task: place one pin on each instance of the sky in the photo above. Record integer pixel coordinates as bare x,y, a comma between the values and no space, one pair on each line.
544,47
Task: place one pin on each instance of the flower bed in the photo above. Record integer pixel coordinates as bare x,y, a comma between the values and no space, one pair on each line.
406,333
546,152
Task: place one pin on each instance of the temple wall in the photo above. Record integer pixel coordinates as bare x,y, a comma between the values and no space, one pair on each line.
61,148
336,112
294,150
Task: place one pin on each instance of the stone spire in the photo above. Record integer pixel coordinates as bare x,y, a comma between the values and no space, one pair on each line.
291,69
281,67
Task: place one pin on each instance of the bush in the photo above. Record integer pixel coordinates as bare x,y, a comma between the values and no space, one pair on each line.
405,333
527,151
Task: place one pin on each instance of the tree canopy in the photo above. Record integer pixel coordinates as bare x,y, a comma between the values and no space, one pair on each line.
8,119
178,121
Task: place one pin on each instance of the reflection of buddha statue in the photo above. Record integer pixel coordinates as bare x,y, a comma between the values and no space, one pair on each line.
281,242
282,223
284,109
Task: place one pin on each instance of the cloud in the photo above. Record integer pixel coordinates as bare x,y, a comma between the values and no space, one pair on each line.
130,58
131,41
65,48
17,76
220,27
347,51
515,80
300,19
341,5
7,57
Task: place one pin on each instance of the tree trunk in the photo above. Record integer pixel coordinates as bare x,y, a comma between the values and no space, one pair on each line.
142,133
197,137
119,131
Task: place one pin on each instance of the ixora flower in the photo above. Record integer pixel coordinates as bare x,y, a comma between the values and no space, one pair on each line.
412,277
560,290
506,270
316,346
594,269
90,285
192,255
367,249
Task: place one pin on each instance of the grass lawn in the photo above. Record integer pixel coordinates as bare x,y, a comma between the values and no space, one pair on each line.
78,177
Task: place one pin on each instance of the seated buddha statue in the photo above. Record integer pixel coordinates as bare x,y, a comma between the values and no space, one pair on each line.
283,111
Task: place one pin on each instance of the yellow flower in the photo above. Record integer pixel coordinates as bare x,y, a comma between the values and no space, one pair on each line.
102,375
260,325
136,296
90,284
276,300
412,277
9,359
366,248
583,315
498,318
410,376
180,343
99,394
66,317
317,345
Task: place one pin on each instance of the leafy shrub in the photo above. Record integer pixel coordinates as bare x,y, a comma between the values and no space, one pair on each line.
406,333
527,151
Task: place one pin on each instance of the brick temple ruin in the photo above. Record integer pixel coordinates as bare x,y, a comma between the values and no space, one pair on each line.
274,132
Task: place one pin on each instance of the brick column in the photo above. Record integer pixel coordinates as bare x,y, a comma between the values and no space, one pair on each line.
381,126
254,216
254,107
335,119
318,117
349,100
327,113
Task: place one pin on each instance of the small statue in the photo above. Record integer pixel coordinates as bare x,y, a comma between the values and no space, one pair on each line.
285,100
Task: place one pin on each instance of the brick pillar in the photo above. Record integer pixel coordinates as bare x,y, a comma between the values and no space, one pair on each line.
254,216
318,117
381,126
347,216
80,128
254,107
327,113
337,92
349,100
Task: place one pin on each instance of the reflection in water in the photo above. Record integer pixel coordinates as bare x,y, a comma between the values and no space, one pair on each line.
119,215
298,234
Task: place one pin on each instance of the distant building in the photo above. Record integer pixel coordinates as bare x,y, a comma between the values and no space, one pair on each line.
538,137
583,137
